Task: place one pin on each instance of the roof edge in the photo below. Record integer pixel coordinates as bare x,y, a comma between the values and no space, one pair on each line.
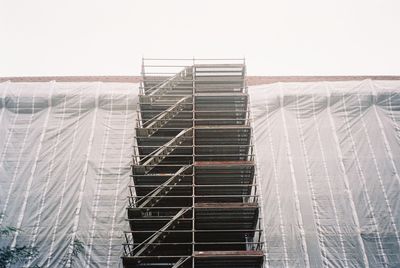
251,80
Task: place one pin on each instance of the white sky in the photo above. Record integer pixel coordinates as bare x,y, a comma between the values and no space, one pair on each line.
281,37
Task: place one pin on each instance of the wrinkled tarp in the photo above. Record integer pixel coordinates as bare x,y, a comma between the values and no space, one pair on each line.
64,167
328,162
327,155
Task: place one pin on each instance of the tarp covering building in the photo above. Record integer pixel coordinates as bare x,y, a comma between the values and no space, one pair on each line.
328,158
327,155
65,163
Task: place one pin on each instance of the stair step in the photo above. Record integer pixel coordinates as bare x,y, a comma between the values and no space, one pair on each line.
162,190
156,236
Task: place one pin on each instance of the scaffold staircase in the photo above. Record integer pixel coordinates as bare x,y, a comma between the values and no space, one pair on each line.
160,154
157,92
153,197
194,199
151,126
149,244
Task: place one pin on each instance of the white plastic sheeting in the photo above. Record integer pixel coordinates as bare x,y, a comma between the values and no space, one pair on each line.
328,161
65,153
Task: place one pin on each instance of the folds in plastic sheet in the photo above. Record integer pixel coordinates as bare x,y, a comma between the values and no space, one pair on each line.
328,156
64,168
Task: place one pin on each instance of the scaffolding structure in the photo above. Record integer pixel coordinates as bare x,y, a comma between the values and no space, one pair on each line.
194,199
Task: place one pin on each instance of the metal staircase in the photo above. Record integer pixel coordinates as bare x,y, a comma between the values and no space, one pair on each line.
158,91
155,158
149,244
151,126
194,198
153,197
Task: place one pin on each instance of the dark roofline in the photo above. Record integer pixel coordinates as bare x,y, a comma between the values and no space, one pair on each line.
252,80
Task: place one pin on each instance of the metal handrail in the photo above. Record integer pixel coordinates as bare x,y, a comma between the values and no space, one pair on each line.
158,117
181,261
158,151
156,234
182,169
163,83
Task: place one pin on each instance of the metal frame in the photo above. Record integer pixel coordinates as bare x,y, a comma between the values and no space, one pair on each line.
194,197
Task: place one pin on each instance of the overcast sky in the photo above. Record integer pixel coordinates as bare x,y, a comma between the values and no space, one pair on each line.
280,37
